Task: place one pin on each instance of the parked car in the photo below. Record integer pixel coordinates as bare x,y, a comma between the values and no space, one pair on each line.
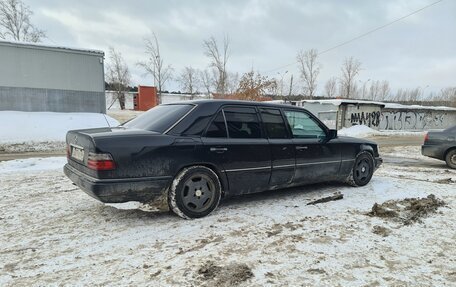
441,145
194,153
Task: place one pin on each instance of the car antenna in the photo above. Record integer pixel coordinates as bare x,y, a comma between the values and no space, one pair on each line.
104,115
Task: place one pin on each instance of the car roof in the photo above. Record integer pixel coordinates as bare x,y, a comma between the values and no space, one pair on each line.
221,102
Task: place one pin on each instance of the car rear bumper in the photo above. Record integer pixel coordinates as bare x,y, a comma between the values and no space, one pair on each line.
118,190
433,151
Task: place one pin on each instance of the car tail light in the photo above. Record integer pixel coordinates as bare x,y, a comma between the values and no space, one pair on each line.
100,161
426,137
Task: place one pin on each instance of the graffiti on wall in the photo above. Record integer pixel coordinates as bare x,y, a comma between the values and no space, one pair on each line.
370,119
412,120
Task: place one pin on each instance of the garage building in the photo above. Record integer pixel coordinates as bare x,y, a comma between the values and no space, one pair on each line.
45,78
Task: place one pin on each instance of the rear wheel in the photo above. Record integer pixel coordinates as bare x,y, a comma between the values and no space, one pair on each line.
363,169
451,158
195,192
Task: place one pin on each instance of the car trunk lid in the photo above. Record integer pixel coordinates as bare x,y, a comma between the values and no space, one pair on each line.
81,149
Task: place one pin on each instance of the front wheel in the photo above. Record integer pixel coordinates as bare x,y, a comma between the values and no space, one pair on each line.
363,169
451,158
195,192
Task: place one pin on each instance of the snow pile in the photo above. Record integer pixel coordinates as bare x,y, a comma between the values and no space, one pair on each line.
362,131
21,127
357,131
32,164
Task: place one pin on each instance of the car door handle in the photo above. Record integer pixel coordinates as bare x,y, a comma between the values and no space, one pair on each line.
301,147
218,149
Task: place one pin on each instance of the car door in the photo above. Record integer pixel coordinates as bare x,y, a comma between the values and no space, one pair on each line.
244,153
317,159
281,146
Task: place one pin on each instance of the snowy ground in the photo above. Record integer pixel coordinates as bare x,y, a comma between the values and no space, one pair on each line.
54,234
44,131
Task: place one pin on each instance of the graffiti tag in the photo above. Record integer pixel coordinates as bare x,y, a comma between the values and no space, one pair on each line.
371,119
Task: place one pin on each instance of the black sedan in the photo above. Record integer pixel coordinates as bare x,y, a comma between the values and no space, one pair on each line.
441,145
194,153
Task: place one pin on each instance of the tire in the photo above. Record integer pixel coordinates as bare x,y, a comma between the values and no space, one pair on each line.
195,192
362,170
450,158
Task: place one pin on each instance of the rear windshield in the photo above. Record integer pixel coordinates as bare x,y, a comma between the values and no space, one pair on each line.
159,118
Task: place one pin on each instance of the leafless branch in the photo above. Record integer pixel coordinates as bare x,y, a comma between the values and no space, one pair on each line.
155,66
189,80
331,88
218,60
350,69
118,76
15,22
310,69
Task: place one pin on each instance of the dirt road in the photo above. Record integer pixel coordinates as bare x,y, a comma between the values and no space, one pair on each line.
399,140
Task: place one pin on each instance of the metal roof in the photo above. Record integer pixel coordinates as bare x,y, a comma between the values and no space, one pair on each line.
52,48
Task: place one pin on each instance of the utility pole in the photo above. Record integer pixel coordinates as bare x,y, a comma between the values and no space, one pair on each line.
291,88
281,82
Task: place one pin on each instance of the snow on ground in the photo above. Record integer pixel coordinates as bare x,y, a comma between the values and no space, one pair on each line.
38,131
54,234
357,131
365,131
32,164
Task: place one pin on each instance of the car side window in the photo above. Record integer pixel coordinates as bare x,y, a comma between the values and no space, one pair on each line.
242,122
274,124
217,129
303,126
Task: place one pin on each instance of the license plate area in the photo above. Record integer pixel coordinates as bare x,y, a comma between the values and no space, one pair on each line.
77,153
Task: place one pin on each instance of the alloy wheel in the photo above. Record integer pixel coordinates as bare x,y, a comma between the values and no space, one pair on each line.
198,193
362,170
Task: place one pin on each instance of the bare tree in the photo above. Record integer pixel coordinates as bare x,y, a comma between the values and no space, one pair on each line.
448,94
407,95
155,66
385,90
206,80
374,91
309,68
232,82
189,80
350,69
15,22
331,88
218,60
118,76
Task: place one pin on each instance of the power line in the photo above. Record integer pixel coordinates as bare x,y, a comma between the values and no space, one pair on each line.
362,35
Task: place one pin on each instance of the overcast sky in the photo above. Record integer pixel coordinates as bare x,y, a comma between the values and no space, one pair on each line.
419,51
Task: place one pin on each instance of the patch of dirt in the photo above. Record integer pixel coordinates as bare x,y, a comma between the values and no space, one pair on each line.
45,146
380,230
228,275
157,204
408,210
277,228
445,181
316,271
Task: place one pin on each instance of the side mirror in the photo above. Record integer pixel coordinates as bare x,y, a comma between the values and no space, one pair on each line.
332,134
